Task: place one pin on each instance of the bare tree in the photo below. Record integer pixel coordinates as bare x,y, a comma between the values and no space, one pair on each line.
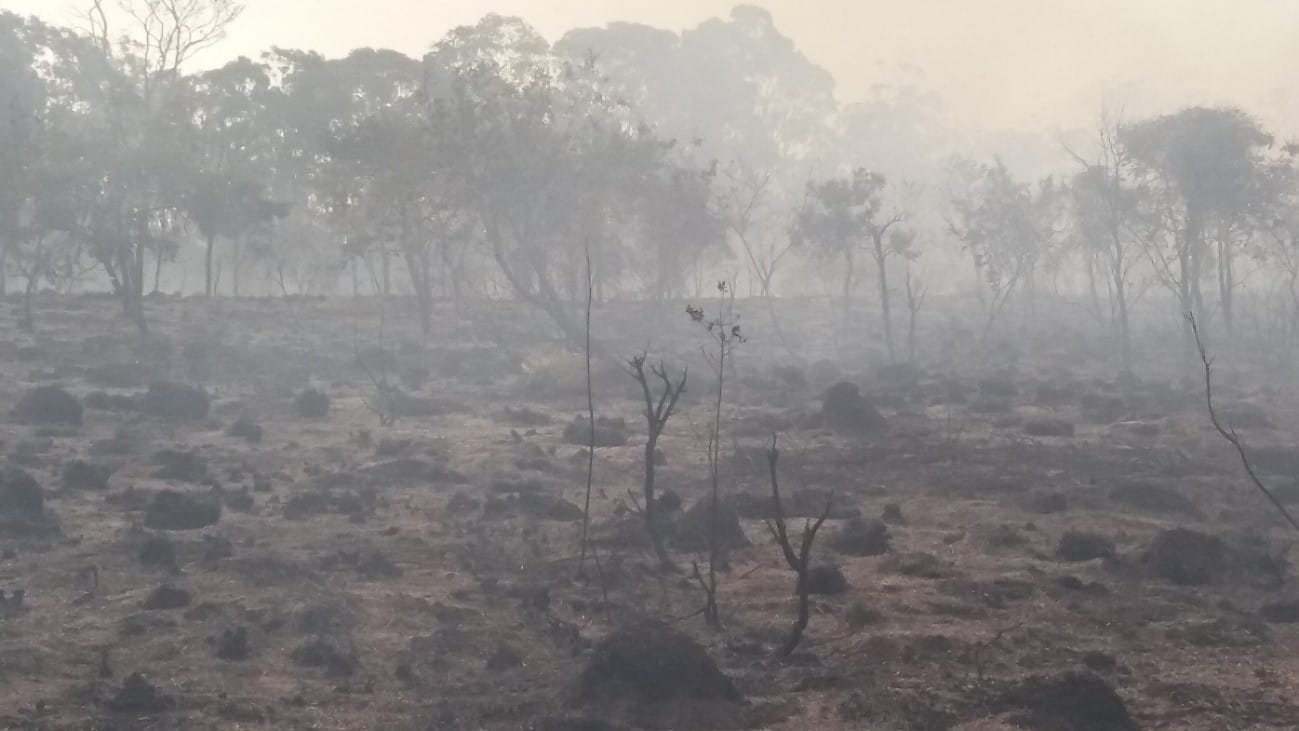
657,413
798,560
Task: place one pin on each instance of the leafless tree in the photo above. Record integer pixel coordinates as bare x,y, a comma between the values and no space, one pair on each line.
798,560
657,412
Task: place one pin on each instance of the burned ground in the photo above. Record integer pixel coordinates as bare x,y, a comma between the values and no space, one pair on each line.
1036,547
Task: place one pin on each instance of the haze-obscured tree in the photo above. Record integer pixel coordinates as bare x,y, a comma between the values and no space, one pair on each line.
144,130
1197,169
1007,226
843,214
1105,203
229,190
737,85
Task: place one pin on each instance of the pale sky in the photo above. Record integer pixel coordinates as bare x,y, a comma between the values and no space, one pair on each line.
997,63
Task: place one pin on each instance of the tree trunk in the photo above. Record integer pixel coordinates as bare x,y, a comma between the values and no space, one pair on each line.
796,633
651,511
207,264
29,320
157,272
1184,297
1225,284
1121,305
387,273
881,265
133,292
847,287
234,266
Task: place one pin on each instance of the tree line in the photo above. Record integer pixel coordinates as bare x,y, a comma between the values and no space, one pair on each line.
498,162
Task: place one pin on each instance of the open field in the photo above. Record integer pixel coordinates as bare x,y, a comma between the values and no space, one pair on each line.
422,575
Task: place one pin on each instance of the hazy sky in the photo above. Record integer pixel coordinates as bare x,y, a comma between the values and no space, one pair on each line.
1035,63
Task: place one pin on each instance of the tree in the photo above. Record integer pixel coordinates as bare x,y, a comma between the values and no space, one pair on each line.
143,131
551,166
229,192
754,96
1196,169
842,214
1007,226
657,412
1105,204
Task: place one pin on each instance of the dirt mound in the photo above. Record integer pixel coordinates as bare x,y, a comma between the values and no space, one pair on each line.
175,401
117,375
533,505
1048,427
233,645
139,695
180,465
608,432
246,429
48,405
845,410
800,503
167,597
1282,611
174,510
1186,557
311,404
826,581
861,538
690,531
158,552
100,401
336,659
1075,701
652,663
1084,546
82,475
340,493
1153,499
22,504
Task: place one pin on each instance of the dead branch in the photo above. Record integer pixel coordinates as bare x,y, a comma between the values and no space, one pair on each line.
1229,433
797,560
